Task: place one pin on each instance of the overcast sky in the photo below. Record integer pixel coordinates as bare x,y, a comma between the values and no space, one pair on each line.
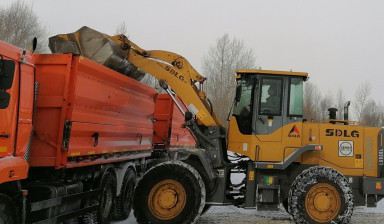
340,43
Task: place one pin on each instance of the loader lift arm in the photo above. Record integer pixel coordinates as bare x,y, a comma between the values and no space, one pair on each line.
169,68
177,72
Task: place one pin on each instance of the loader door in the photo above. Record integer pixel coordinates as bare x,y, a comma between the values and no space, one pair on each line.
269,116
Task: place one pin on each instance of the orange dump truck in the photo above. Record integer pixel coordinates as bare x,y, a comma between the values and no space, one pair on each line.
74,137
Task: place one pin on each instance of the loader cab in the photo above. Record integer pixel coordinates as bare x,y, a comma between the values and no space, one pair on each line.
267,100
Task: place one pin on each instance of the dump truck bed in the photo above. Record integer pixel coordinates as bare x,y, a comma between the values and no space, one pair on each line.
88,114
170,132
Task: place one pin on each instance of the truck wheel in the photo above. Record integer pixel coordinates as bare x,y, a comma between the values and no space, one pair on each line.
107,198
7,210
124,200
320,195
170,192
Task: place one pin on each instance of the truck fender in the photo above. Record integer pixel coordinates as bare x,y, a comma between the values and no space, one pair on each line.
103,171
12,169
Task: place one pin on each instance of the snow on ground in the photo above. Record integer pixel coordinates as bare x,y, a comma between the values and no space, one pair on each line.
233,215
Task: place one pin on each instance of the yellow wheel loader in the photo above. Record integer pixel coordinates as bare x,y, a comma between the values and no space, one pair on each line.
317,171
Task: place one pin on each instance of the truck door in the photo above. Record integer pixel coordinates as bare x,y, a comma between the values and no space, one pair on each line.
8,105
270,106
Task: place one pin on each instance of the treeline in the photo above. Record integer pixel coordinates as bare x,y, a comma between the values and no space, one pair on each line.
363,107
19,25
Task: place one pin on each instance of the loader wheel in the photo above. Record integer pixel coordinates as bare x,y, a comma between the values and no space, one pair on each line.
7,210
124,200
107,198
170,192
320,195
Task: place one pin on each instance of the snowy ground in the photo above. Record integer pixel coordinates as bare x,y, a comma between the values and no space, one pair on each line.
233,215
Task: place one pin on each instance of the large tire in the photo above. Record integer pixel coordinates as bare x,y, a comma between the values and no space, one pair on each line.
7,210
107,198
169,193
125,199
320,195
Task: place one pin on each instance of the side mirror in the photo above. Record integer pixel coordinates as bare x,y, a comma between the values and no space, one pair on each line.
34,44
4,99
239,89
7,72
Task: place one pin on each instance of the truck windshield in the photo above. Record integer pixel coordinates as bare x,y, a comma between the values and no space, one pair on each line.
243,108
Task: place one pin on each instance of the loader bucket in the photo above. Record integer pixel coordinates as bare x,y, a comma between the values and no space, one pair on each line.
97,47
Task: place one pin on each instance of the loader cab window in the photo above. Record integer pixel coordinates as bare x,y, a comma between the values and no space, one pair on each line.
296,97
244,103
270,96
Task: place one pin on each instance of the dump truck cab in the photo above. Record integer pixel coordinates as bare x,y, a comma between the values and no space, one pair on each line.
16,106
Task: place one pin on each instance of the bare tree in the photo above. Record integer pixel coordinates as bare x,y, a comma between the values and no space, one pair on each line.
371,114
19,25
361,98
122,29
325,103
219,66
311,110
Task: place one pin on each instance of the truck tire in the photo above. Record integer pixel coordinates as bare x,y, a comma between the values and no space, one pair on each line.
124,200
172,192
107,198
320,195
7,210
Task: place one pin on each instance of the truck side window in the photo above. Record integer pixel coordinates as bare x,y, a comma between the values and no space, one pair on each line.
296,97
243,108
270,96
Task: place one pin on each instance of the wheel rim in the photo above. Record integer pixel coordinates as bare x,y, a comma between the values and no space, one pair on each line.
323,202
167,199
